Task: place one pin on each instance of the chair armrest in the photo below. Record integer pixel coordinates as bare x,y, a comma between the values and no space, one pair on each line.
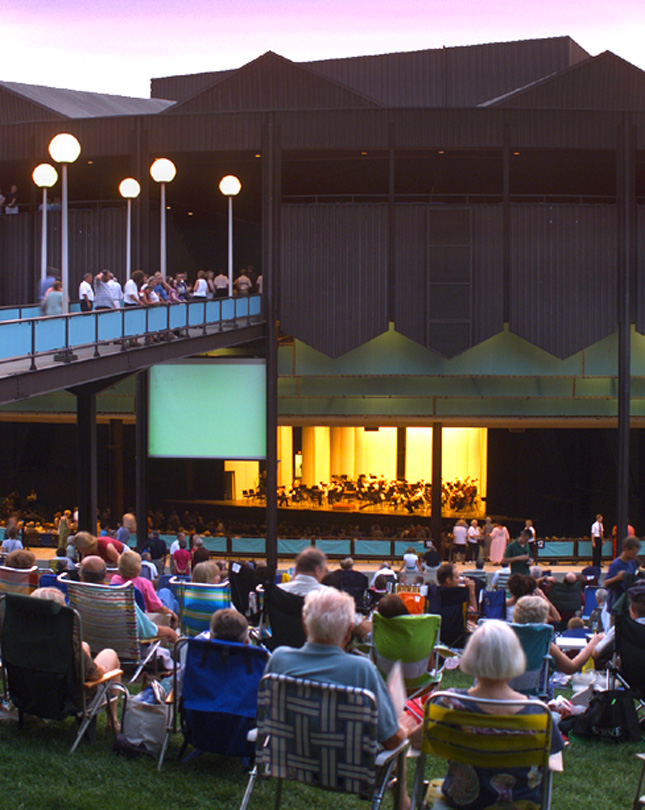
252,735
386,755
107,676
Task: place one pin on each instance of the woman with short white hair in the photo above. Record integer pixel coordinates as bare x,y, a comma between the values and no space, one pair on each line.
493,655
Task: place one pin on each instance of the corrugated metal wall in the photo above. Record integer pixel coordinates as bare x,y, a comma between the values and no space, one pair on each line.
272,83
333,276
563,275
448,275
96,241
14,107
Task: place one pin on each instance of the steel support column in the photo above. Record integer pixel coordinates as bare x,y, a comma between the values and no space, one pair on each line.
271,189
141,464
626,189
86,453
436,523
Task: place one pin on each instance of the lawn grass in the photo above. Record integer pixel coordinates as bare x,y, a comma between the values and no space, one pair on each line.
37,773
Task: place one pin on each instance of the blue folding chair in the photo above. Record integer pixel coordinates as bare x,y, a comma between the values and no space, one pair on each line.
219,697
50,580
493,605
536,641
590,603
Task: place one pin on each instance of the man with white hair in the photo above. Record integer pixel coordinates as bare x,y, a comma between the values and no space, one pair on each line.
329,617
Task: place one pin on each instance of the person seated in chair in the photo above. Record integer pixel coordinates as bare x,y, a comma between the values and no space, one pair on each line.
130,571
392,605
448,577
493,656
20,559
329,616
93,570
347,579
533,610
311,568
95,668
605,648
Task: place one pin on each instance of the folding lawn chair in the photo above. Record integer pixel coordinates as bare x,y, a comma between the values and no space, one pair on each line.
536,640
454,731
323,735
110,620
493,605
412,640
197,603
589,603
244,580
628,663
284,613
45,667
18,580
451,604
219,696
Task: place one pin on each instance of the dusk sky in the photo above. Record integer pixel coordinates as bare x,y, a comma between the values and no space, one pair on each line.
117,47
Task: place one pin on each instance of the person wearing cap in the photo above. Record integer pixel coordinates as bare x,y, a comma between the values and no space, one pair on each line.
636,594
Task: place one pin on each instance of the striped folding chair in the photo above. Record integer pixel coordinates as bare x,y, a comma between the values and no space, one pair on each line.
479,733
18,580
109,620
197,603
323,735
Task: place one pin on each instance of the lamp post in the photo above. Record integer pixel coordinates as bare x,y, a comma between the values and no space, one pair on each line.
230,187
163,171
44,176
129,190
64,149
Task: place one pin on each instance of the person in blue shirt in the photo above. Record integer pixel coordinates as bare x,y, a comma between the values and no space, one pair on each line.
626,563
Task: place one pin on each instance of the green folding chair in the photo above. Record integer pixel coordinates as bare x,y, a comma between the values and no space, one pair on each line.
414,641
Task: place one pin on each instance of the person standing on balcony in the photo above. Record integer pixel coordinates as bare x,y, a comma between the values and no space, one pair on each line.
86,293
102,293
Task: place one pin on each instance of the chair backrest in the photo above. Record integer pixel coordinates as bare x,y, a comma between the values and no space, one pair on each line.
317,733
109,617
630,646
567,598
243,580
493,605
590,603
458,728
40,653
50,580
536,640
220,694
18,580
284,611
198,602
408,639
451,604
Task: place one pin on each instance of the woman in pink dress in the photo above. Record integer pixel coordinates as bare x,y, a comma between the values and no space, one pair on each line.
498,539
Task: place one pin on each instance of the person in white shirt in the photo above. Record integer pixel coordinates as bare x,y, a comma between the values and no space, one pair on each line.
131,289
597,537
86,293
116,291
243,284
220,282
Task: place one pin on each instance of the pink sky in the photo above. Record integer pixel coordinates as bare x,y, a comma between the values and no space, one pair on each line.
117,47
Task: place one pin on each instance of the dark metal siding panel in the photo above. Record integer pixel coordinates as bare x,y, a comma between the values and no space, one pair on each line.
563,275
96,242
603,83
570,129
410,271
16,109
179,88
203,133
273,83
433,276
333,284
428,129
17,281
640,269
461,77
488,271
341,129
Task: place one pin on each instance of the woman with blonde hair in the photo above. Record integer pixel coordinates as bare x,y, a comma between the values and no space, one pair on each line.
130,571
206,573
107,548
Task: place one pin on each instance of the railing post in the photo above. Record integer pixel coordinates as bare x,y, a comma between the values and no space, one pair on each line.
187,319
204,319
96,334
168,321
234,299
221,318
32,367
122,329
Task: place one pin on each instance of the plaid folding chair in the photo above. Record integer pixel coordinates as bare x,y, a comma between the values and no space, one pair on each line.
323,735
197,603
45,665
454,731
414,641
18,580
110,620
